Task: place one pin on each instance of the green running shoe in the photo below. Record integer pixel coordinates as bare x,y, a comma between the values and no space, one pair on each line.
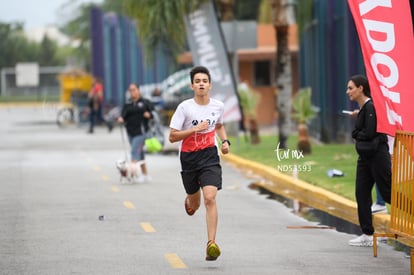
213,251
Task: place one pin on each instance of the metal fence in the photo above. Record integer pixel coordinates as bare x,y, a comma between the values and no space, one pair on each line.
119,57
402,191
49,86
329,55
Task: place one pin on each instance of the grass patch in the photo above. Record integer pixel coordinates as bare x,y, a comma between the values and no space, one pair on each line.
311,168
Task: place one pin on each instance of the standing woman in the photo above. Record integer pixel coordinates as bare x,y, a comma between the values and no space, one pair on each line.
373,165
135,114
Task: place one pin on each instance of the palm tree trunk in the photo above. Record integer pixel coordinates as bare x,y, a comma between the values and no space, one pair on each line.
283,70
254,131
226,10
284,88
304,144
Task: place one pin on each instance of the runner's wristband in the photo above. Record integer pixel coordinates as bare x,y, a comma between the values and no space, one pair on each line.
226,140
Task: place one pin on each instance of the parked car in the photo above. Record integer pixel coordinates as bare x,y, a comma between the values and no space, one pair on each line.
174,89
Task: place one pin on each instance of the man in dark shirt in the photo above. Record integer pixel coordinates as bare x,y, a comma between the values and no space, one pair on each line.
136,114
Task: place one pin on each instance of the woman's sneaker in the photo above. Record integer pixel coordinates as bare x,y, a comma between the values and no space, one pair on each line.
363,240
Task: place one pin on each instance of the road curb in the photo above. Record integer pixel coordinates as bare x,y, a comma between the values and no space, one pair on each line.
319,198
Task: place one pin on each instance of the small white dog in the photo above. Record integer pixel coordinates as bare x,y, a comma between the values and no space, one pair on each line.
124,170
128,171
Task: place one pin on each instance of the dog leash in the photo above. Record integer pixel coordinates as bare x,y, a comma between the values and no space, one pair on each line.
124,141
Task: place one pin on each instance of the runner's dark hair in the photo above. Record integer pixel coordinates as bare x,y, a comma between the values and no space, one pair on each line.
199,69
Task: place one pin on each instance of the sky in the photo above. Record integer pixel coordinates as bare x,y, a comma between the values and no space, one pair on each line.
39,13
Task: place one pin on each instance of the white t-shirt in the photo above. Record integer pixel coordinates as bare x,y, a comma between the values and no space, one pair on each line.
188,114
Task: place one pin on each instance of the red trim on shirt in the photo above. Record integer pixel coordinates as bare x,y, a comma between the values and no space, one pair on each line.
198,141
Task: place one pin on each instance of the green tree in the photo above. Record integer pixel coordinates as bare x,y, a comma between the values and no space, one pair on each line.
77,28
249,100
247,9
304,112
265,14
48,53
113,6
161,22
14,46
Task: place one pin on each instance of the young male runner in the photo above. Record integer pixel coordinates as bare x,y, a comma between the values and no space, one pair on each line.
195,123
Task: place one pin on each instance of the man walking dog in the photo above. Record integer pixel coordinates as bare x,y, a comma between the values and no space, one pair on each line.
136,115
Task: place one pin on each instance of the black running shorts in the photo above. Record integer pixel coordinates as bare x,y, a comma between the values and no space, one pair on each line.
196,179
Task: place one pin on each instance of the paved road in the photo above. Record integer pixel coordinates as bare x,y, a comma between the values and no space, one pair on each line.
55,183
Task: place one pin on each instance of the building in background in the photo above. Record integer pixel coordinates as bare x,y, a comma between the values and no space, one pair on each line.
256,66
118,57
324,48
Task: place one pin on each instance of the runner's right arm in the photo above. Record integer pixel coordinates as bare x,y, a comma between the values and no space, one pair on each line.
176,135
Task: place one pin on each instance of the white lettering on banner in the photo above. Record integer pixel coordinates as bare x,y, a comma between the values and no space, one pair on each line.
206,49
392,116
379,57
369,5
201,28
204,44
382,59
394,96
381,27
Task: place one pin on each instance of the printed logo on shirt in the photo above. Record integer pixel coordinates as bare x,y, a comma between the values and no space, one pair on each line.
211,123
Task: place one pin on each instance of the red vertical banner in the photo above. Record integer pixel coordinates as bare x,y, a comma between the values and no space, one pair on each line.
386,36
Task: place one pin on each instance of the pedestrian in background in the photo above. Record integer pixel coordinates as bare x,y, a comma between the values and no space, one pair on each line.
135,115
95,101
195,124
374,161
157,100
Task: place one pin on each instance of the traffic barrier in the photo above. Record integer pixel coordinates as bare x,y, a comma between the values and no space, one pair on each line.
402,190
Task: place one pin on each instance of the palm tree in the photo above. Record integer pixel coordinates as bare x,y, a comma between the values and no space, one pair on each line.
282,18
248,100
155,18
304,113
162,22
78,28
